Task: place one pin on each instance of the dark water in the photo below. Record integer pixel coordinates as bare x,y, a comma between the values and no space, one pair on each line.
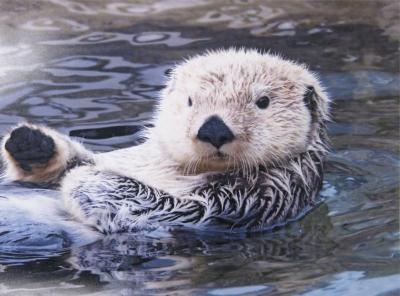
92,69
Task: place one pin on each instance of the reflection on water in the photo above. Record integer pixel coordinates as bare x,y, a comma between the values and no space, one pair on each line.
140,39
93,69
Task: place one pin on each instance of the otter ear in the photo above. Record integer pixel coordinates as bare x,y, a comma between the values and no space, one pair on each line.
310,100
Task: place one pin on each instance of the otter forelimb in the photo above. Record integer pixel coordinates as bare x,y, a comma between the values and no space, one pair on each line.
114,203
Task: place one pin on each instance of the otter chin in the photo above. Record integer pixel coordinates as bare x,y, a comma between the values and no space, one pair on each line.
217,162
238,142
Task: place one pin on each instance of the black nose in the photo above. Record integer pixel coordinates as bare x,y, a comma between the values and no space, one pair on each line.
215,132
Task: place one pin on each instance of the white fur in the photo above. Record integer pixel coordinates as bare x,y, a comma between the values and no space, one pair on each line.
225,83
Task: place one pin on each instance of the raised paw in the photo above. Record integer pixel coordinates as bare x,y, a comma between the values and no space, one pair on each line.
30,146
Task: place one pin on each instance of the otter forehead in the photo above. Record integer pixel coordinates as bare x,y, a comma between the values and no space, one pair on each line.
240,76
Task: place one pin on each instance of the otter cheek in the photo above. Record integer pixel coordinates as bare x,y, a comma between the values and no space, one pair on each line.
303,129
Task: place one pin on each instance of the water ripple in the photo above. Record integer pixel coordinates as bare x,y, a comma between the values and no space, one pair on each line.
172,39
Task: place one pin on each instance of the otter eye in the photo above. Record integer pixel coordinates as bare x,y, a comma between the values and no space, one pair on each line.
263,102
190,103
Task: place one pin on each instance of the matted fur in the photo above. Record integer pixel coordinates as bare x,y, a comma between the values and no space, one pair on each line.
270,174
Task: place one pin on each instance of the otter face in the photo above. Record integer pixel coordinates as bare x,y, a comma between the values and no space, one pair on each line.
237,108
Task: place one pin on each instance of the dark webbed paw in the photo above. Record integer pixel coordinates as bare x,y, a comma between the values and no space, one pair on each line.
30,146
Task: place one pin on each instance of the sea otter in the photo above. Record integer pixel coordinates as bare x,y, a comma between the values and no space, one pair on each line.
238,143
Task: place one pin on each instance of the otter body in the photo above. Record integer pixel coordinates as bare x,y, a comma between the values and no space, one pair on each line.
238,142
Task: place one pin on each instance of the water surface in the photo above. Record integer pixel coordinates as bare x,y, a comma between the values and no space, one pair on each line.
92,69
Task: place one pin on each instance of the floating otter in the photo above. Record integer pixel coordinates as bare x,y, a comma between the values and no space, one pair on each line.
238,144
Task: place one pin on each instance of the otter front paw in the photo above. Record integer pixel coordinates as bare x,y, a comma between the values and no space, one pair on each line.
29,146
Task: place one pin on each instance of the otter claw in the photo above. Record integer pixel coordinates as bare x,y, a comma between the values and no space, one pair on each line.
30,146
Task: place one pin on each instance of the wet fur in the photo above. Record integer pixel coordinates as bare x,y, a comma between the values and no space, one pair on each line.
271,175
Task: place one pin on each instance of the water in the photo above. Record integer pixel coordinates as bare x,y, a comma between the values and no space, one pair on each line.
92,69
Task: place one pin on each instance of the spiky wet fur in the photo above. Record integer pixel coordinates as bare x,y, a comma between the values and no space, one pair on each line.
272,172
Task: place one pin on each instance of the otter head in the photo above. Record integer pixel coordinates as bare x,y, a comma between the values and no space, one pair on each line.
238,108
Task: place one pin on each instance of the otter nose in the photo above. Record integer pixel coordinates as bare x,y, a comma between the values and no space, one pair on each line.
215,132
